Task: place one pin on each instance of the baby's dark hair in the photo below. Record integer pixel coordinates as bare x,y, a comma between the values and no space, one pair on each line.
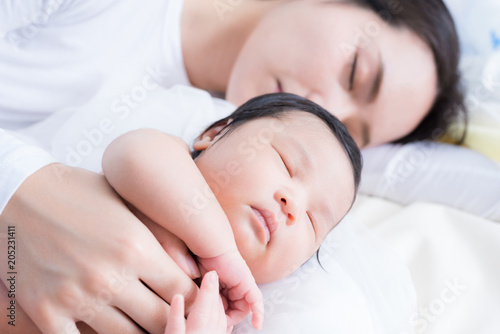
274,105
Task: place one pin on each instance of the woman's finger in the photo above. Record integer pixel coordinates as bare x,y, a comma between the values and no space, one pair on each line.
145,307
174,246
162,275
112,320
55,324
176,322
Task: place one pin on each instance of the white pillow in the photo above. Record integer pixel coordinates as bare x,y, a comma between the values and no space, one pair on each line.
433,172
478,25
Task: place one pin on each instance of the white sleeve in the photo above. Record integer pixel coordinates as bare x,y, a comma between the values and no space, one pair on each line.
15,14
17,161
433,172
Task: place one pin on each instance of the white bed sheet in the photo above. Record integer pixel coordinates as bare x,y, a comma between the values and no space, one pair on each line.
453,255
453,258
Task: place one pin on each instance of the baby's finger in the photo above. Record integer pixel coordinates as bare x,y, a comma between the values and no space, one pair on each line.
257,316
238,310
248,291
254,298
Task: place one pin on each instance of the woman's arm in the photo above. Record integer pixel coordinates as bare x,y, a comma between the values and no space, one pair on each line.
85,256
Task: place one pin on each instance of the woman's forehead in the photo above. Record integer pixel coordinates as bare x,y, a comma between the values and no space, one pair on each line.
294,123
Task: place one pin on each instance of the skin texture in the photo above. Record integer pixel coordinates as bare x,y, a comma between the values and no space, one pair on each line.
92,291
233,54
208,312
308,48
156,174
279,166
260,165
207,316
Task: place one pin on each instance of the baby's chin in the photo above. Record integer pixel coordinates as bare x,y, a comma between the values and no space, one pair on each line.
268,274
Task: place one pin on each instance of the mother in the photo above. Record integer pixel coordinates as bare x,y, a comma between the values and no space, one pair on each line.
386,68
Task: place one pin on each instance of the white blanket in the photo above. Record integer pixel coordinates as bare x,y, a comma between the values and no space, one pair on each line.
453,259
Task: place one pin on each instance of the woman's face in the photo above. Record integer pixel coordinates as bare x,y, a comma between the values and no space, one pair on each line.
283,184
380,81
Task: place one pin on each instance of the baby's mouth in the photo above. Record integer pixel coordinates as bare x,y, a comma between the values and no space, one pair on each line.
267,221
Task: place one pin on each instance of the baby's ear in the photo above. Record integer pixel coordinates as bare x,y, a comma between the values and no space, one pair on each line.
207,138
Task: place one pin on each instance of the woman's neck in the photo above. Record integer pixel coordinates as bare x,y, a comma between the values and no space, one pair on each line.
213,33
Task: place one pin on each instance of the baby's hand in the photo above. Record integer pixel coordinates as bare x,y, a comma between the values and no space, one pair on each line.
238,286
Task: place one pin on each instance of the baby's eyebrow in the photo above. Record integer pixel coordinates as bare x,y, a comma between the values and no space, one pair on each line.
304,156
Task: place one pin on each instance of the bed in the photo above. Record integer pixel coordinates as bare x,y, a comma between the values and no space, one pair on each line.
437,207
421,254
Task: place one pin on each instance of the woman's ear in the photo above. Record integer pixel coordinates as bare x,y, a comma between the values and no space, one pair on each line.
207,138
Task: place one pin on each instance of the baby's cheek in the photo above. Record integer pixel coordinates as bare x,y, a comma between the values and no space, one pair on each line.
275,269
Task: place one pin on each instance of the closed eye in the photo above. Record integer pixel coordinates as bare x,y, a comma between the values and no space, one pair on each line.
353,71
311,219
284,162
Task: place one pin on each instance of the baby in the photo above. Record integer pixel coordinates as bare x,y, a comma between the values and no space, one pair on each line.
266,185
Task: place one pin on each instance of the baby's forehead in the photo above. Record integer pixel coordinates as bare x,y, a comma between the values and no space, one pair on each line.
295,118
303,124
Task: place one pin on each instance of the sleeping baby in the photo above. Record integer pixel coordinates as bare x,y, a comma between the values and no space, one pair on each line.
266,185
253,202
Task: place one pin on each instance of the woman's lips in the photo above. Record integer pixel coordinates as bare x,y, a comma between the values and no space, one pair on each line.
267,222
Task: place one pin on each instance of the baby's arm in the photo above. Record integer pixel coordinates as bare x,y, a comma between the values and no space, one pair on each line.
156,174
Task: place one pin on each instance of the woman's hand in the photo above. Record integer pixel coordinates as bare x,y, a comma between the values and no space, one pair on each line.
81,255
175,247
207,315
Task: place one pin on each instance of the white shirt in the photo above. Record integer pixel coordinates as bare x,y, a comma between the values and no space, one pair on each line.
63,58
58,54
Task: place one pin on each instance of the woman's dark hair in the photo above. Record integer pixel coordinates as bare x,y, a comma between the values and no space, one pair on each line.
277,104
431,21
